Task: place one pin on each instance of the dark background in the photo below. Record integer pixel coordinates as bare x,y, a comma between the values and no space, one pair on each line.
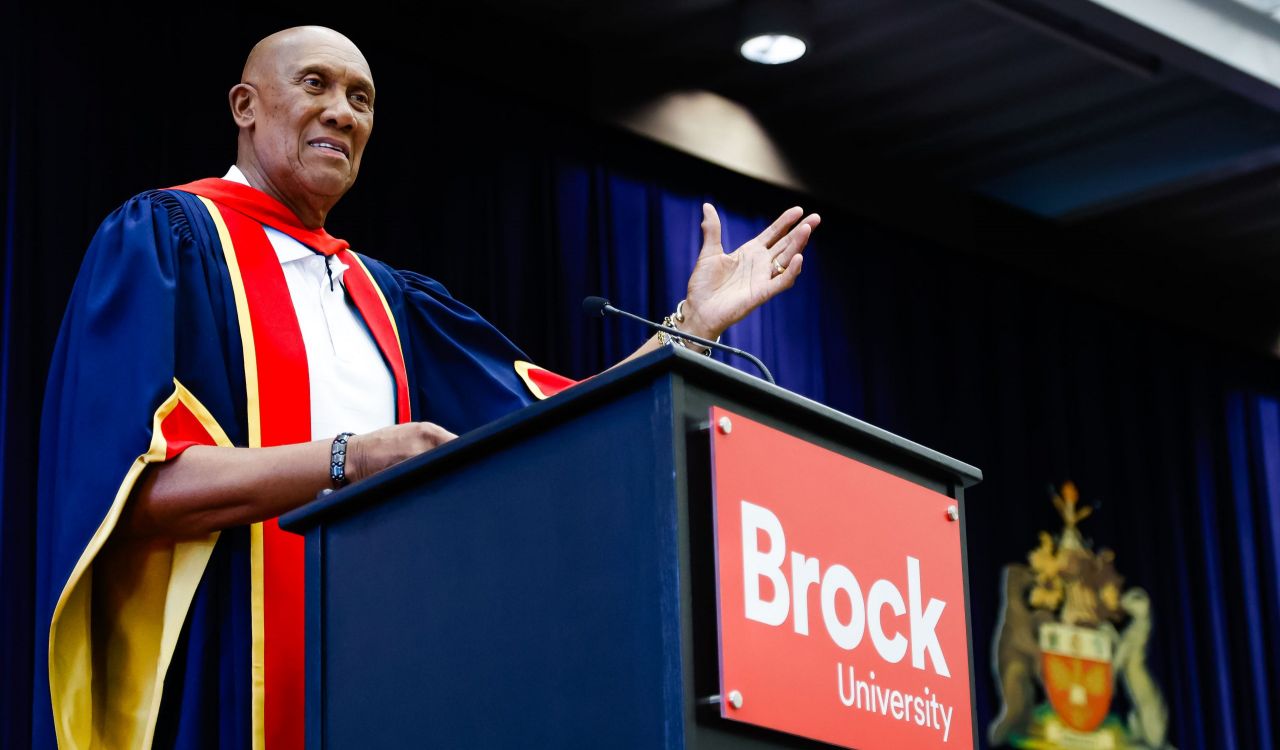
487,173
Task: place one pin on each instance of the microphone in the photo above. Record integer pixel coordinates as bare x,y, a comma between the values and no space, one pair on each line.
593,306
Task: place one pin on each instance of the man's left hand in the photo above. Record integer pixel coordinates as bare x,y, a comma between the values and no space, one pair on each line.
725,287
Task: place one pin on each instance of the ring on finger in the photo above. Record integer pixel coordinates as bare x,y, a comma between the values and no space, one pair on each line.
778,268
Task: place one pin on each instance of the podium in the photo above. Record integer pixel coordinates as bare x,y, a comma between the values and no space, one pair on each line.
548,580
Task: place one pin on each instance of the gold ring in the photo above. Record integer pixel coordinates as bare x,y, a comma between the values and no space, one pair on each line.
777,268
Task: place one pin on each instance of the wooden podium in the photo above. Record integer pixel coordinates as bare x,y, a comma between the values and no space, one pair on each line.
548,580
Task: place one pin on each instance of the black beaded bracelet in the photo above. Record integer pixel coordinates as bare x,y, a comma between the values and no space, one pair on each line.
338,459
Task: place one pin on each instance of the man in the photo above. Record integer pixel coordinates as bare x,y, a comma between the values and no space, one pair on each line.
257,361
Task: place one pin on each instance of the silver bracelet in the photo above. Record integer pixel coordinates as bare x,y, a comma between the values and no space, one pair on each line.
671,321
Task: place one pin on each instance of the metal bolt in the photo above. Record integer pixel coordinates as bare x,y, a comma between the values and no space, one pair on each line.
735,699
725,425
953,513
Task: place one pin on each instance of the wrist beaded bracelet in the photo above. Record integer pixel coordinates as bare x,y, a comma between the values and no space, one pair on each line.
338,459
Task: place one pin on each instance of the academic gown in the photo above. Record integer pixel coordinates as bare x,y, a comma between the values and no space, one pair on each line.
153,644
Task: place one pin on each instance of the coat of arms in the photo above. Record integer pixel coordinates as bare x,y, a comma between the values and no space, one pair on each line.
1072,633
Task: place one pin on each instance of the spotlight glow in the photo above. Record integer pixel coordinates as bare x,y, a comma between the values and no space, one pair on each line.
773,49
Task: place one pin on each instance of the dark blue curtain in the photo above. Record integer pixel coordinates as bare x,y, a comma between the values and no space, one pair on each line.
1174,440
522,213
1171,437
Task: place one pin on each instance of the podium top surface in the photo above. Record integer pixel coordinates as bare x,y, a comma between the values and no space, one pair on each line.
698,369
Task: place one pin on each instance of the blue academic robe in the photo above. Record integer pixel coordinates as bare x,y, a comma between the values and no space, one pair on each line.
153,324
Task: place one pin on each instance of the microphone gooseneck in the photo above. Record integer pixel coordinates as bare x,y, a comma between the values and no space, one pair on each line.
593,306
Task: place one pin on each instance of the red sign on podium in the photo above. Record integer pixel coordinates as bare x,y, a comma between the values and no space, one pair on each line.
841,596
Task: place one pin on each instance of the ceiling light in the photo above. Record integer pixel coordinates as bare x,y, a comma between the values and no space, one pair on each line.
773,49
776,31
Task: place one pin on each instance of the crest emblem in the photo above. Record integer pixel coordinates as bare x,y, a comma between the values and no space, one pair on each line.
1076,664
1070,638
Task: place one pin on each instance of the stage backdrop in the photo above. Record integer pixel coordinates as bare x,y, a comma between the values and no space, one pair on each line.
1172,441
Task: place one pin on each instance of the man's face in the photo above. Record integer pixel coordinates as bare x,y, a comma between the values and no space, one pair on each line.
313,116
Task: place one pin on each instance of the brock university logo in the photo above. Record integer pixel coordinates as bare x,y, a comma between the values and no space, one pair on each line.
1070,629
840,596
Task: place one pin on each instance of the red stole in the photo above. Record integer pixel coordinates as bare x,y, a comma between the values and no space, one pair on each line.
279,413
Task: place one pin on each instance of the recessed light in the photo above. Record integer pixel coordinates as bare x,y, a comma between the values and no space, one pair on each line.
773,49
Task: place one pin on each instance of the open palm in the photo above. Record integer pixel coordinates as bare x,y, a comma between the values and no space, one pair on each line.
725,287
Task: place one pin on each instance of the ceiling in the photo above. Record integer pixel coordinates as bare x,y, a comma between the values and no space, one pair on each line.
1155,169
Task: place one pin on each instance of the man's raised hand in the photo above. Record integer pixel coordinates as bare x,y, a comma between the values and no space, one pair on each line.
725,287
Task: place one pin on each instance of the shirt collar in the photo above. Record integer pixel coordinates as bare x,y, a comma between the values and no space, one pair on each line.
235,175
288,252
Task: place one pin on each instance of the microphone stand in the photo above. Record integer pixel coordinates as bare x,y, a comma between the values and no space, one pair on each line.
599,305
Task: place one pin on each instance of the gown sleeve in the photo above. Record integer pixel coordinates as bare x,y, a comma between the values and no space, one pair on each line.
466,372
111,608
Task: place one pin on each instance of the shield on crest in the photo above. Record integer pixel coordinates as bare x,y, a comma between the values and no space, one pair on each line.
1077,673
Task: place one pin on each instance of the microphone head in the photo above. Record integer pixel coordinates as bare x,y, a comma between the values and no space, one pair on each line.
594,306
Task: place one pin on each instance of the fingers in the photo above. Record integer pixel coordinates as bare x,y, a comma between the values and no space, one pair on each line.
787,278
795,240
710,232
372,452
778,229
427,436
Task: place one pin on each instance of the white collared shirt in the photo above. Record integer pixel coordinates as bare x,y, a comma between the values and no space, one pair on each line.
351,387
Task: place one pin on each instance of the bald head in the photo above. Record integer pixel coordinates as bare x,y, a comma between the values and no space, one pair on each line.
287,43
304,106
